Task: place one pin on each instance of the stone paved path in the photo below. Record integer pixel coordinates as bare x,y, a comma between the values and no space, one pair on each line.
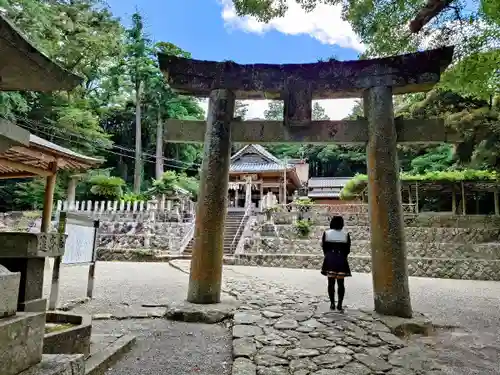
473,349
122,289
279,331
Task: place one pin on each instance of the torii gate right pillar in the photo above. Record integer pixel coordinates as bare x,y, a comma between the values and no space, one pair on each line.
388,245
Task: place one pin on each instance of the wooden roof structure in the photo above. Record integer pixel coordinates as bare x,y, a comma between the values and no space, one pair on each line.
41,158
25,68
443,186
446,186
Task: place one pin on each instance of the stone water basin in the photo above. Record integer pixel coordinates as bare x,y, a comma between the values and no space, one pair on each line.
67,333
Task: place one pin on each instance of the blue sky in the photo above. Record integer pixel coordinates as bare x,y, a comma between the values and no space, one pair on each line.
210,30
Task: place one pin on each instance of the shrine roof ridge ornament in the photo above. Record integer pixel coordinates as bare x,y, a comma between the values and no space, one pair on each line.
413,72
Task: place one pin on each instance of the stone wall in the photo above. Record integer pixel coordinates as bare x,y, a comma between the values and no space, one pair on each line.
457,252
142,235
275,245
413,234
466,269
113,235
427,220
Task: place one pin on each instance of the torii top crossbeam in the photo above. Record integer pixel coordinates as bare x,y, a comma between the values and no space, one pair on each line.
414,72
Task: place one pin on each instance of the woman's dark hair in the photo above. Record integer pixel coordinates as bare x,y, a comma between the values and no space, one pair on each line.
337,223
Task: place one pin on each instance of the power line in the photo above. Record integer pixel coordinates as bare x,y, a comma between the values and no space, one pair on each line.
95,144
192,166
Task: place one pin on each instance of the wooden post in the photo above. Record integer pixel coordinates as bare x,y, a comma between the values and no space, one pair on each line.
54,287
495,199
71,192
248,191
416,198
389,263
464,203
91,275
453,200
261,191
48,201
206,263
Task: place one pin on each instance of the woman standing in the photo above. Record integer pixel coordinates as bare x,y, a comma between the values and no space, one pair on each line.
336,245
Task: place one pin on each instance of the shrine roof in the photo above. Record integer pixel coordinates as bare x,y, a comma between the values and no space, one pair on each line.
328,182
259,167
26,68
333,193
262,161
38,157
414,72
258,149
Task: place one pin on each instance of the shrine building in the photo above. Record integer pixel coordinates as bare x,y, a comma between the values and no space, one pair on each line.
326,190
254,172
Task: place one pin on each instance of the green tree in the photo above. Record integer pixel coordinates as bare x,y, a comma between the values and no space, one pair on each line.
274,110
318,112
472,26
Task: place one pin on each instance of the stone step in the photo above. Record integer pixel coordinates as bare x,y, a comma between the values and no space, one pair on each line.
465,269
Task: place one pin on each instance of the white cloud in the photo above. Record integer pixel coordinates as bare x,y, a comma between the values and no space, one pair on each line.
336,109
324,23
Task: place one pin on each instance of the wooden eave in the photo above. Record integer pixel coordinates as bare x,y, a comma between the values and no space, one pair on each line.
41,158
446,186
25,68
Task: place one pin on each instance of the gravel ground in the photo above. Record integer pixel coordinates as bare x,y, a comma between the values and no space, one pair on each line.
171,348
121,288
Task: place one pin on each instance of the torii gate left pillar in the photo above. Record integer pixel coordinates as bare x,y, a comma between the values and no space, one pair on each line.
206,264
298,84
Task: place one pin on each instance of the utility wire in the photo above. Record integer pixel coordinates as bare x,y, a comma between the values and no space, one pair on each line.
101,148
95,144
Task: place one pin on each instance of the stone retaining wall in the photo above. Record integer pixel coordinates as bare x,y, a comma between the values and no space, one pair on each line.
422,220
413,234
274,245
134,235
438,246
465,269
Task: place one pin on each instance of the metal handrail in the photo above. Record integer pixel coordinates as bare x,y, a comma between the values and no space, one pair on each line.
187,238
240,228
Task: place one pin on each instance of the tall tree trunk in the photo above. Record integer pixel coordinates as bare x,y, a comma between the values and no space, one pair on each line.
159,146
138,140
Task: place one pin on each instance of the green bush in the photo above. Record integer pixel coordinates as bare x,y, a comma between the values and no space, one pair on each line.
106,187
303,228
359,182
131,197
170,182
303,202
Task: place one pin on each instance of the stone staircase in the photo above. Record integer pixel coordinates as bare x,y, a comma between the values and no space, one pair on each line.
233,221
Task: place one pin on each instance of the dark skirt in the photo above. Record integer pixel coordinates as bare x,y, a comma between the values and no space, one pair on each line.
335,264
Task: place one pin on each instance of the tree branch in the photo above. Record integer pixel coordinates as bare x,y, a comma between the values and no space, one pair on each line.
427,13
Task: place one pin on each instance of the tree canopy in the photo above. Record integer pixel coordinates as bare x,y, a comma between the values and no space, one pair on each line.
119,111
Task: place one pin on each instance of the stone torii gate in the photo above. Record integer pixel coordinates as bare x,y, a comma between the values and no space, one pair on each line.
376,81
